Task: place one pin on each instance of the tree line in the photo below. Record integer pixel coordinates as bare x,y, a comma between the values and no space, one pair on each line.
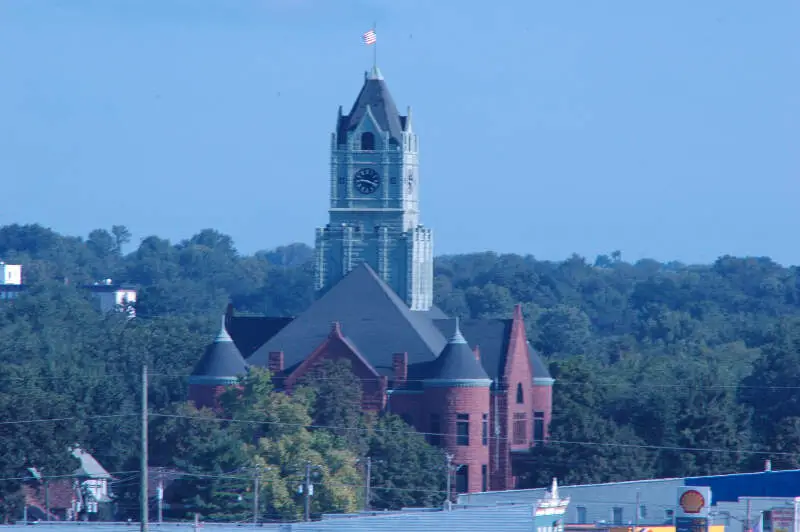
662,369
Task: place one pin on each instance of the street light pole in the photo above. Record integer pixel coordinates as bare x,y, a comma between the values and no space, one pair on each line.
307,493
368,484
256,488
449,458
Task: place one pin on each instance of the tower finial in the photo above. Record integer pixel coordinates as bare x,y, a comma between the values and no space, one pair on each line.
223,335
457,337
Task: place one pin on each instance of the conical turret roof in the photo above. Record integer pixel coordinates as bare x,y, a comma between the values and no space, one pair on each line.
457,362
222,362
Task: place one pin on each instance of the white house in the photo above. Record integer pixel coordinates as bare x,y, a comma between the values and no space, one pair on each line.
10,281
111,296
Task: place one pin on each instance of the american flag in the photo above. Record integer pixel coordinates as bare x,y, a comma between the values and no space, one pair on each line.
369,37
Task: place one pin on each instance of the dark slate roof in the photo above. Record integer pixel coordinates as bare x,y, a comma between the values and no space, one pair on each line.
540,370
433,313
251,332
371,315
491,336
457,361
222,360
375,95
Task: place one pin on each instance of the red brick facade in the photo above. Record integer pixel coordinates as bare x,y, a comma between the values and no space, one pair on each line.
481,423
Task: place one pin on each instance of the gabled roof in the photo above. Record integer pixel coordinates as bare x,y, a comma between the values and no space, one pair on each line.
491,336
222,362
89,467
457,362
374,318
375,96
251,332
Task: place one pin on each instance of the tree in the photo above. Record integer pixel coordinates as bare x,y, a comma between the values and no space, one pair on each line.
406,470
336,403
211,460
277,429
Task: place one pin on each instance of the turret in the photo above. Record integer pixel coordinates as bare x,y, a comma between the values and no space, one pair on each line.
222,365
457,389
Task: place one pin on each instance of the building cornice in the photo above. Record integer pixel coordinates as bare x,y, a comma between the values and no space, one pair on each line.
457,383
212,381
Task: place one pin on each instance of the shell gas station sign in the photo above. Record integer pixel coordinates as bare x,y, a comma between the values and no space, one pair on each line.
692,509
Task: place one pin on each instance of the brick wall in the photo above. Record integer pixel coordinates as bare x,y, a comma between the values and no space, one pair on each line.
543,402
448,403
205,396
373,386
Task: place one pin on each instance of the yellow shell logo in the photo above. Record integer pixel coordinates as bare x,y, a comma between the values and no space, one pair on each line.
692,501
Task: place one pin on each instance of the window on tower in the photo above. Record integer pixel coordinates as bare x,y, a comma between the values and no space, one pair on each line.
462,429
519,428
538,427
367,141
520,396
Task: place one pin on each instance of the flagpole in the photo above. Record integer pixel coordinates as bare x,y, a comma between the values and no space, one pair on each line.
375,47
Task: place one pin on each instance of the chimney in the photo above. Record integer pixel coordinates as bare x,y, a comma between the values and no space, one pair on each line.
477,352
768,465
400,366
275,363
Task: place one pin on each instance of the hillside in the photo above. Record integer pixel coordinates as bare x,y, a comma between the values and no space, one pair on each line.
662,369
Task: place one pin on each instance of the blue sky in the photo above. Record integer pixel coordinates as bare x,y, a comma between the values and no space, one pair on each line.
663,128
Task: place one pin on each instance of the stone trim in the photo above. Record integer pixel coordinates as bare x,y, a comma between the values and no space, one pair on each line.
213,381
543,381
457,383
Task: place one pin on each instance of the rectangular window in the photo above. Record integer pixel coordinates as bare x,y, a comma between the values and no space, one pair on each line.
616,515
582,517
485,430
462,429
462,477
538,427
643,512
484,478
520,430
435,430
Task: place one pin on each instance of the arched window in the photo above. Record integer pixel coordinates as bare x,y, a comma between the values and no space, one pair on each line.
367,141
520,396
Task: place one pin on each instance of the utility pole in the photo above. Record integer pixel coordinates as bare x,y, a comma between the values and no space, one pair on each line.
47,498
449,458
307,493
160,496
256,488
143,495
747,522
367,484
636,521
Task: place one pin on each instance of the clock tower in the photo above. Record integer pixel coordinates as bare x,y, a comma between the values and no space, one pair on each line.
374,200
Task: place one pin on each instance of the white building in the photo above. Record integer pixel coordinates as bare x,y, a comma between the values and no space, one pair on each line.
10,281
112,296
10,273
737,499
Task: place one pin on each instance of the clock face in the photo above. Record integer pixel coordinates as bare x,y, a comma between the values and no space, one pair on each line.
366,180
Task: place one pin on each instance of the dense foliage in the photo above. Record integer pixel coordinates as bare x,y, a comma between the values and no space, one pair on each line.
661,370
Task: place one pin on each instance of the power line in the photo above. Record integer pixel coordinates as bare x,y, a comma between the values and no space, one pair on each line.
497,438
57,419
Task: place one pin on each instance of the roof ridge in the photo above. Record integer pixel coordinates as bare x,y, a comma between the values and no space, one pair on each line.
403,309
